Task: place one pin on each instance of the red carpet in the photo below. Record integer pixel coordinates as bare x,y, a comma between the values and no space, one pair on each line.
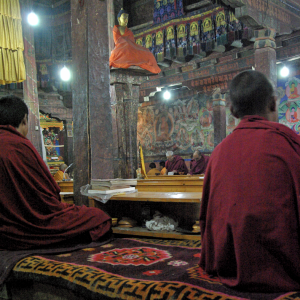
133,269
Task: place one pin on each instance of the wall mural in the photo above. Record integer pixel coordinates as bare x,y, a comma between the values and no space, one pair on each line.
288,91
182,125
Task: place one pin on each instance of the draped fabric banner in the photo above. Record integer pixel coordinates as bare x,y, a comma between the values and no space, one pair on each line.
12,68
165,10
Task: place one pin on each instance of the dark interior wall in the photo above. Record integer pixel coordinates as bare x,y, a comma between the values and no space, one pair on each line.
140,11
53,35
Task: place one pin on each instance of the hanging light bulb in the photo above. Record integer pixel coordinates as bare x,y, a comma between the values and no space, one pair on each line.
167,95
284,72
65,74
32,19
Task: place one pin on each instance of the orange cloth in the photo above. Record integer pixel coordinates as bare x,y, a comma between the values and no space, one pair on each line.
59,176
163,171
153,172
127,53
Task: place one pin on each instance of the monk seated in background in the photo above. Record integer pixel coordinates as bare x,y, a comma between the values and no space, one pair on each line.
198,163
31,214
250,226
126,52
153,170
60,174
175,164
163,170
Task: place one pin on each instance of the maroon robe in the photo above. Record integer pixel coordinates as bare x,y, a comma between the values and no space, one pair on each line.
199,166
250,208
177,164
31,213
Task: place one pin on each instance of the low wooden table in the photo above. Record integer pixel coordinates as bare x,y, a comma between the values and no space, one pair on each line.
184,206
66,186
67,197
174,176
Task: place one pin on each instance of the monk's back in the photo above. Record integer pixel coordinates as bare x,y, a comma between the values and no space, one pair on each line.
251,233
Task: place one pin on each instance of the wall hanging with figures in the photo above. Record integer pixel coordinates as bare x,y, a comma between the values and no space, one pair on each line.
184,38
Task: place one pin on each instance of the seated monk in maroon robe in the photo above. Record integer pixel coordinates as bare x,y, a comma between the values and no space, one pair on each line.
126,52
250,206
31,213
175,164
198,163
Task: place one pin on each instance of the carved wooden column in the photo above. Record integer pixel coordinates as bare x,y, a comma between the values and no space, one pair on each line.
219,111
93,135
111,24
30,92
265,53
125,89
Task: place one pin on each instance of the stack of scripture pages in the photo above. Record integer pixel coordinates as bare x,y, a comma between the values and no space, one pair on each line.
110,186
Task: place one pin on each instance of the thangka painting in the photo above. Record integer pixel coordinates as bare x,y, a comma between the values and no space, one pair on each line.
165,10
288,91
182,125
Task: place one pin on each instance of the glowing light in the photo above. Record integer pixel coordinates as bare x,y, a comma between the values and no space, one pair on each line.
167,95
284,72
65,74
33,19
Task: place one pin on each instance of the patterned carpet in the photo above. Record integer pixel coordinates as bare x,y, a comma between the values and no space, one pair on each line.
133,269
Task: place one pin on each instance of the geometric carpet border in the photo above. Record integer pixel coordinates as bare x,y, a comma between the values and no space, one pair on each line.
102,283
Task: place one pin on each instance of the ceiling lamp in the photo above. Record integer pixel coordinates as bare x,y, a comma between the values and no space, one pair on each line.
284,72
167,95
32,19
65,74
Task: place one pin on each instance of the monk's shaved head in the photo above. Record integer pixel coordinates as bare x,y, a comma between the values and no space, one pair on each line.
62,167
251,93
12,110
197,154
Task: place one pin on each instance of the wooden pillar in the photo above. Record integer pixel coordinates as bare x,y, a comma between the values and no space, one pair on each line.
111,24
30,92
265,53
92,130
126,92
130,117
219,112
118,156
